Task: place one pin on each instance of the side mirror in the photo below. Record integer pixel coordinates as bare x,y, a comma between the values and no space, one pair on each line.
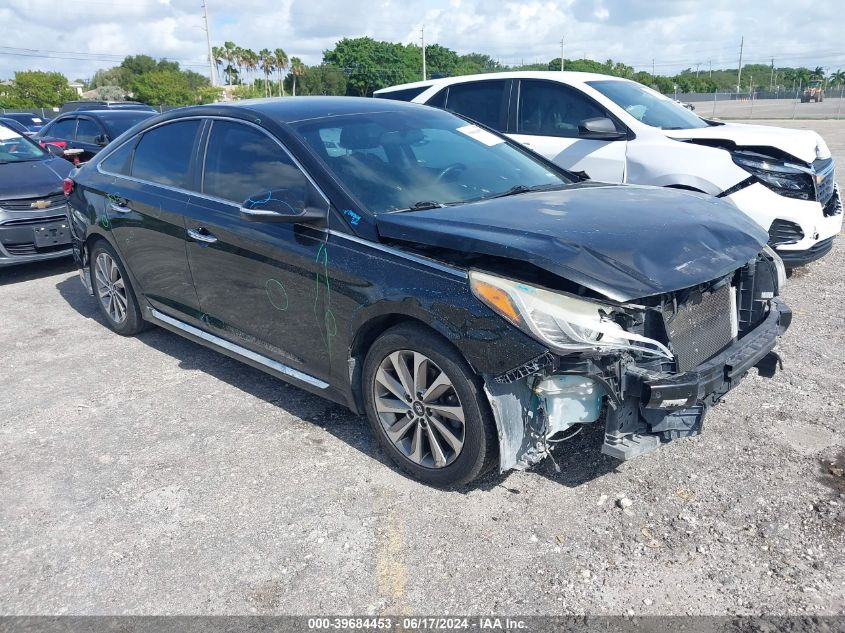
55,150
101,140
280,205
600,129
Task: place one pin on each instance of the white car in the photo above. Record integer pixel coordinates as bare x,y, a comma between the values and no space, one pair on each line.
616,130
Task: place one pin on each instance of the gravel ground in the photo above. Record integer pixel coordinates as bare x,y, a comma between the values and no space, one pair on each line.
151,476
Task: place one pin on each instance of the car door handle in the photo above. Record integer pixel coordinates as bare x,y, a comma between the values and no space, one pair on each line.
120,206
201,235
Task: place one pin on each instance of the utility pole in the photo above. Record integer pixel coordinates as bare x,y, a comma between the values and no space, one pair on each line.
652,67
772,80
710,61
739,70
561,54
696,69
212,66
422,39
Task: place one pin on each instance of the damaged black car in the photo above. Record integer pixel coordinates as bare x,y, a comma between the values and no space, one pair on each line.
476,302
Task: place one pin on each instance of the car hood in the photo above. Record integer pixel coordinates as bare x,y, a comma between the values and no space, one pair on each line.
32,179
625,242
804,145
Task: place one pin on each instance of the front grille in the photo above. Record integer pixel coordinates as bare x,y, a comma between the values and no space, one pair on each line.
825,179
701,327
21,249
785,232
31,221
834,205
25,204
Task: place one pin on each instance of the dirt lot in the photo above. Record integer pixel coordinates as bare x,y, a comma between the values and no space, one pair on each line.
150,475
830,108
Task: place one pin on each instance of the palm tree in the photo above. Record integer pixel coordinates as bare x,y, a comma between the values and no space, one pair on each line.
818,73
250,62
297,68
838,77
219,56
230,56
267,61
282,65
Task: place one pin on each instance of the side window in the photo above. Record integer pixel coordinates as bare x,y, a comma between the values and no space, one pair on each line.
87,131
241,161
163,154
438,100
479,100
64,129
550,109
402,95
120,160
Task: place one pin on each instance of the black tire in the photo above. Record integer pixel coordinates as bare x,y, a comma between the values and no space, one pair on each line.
480,447
132,323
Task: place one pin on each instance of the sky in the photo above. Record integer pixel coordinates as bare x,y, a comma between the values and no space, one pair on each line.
77,37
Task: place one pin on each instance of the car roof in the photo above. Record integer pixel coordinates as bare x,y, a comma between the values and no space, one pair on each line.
567,76
123,112
294,109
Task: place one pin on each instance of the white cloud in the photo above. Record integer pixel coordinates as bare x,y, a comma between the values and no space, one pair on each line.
676,33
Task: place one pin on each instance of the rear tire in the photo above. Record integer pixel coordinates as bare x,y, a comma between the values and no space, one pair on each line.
113,290
439,429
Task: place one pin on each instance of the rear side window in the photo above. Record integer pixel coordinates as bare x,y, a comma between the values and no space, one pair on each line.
163,154
402,95
120,160
478,100
241,161
87,131
550,109
64,129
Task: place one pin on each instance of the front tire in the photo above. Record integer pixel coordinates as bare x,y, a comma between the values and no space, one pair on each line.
427,408
113,290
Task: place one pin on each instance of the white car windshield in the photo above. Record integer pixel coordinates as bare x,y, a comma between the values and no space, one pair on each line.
648,106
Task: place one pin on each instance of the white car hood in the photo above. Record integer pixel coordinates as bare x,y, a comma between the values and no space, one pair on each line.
804,145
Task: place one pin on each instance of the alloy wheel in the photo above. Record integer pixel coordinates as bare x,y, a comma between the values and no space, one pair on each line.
419,409
111,289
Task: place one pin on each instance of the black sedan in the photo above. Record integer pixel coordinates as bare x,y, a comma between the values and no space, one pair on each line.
31,121
82,134
33,211
475,301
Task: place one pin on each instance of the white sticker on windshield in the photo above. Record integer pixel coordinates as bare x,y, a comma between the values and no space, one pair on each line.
35,119
473,131
7,134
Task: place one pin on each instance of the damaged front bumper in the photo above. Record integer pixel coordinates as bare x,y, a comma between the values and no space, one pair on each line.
643,407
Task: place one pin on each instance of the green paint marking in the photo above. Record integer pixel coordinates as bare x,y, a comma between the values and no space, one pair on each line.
276,294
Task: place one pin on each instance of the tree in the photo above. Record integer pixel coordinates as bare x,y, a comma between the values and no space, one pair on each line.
163,87
267,61
229,54
36,89
282,64
324,79
297,68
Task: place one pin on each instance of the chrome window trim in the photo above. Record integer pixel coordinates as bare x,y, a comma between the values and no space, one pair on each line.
237,349
191,192
419,259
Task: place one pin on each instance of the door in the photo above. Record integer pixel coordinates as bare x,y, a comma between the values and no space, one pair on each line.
547,119
88,132
59,132
146,213
261,285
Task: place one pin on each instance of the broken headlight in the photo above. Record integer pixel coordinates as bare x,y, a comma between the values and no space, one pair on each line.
563,322
785,179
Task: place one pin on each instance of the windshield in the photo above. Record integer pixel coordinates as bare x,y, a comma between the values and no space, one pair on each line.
119,124
648,106
395,161
15,148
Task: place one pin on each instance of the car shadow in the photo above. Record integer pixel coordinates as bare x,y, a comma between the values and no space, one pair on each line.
35,270
580,462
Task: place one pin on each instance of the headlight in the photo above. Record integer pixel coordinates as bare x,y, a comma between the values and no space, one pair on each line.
563,322
783,178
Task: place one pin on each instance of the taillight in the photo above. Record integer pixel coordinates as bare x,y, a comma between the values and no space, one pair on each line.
67,186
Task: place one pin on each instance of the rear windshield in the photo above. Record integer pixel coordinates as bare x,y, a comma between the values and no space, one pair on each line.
119,124
648,106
